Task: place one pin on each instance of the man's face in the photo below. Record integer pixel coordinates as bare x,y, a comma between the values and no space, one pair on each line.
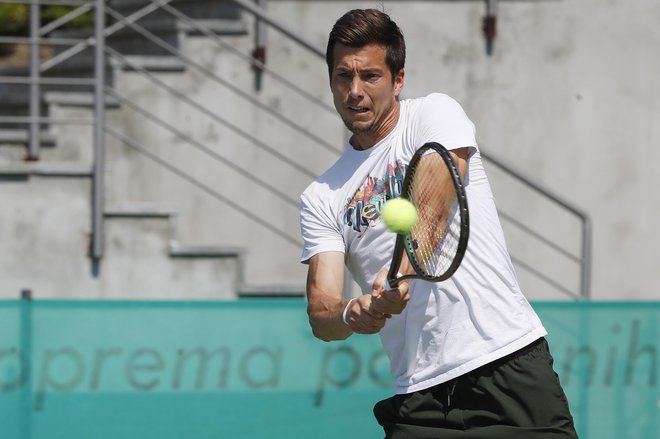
365,95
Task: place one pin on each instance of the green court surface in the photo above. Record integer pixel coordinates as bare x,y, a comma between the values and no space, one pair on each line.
252,369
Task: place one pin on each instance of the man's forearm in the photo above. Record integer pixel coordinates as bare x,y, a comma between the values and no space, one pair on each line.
325,318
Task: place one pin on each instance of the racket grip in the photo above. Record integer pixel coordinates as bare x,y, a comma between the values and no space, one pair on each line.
392,283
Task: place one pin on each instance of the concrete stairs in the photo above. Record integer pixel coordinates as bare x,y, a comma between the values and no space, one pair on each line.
45,229
45,224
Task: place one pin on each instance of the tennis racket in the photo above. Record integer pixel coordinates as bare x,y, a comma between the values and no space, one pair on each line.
436,244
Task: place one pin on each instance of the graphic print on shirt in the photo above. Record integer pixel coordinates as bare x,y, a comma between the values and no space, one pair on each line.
363,209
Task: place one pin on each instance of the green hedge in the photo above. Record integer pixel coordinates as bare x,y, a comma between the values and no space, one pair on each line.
15,18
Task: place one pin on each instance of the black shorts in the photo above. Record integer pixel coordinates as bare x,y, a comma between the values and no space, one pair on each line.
516,397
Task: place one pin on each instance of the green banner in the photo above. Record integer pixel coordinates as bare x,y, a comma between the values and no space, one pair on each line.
252,369
606,355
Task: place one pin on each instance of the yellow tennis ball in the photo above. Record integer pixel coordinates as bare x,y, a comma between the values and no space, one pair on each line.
399,215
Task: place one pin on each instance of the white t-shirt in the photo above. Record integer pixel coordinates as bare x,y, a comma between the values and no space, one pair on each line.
448,328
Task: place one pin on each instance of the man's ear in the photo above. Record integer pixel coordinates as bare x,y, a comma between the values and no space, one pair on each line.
398,82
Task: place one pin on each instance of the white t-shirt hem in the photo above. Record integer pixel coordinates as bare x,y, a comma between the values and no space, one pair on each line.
474,364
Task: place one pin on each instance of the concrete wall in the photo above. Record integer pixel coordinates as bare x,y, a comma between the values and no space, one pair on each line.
570,97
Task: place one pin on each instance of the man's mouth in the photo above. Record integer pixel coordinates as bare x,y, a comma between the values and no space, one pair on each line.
358,109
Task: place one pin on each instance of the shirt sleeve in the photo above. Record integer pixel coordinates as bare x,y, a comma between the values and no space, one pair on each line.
319,230
444,121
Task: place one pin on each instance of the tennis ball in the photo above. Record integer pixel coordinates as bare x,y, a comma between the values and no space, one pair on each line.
399,215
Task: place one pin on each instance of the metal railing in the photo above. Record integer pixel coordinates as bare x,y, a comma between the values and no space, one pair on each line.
36,38
102,88
583,259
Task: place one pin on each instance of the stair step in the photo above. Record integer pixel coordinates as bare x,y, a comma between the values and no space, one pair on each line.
219,26
142,211
152,63
140,249
77,99
170,25
192,8
206,251
177,250
22,137
171,30
45,169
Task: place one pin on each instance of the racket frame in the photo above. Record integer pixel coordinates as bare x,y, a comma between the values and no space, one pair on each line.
403,243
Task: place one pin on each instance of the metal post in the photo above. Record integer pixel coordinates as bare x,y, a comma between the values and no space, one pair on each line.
33,145
259,52
25,355
586,259
490,25
98,171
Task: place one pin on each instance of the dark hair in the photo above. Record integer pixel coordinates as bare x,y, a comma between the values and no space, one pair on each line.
360,27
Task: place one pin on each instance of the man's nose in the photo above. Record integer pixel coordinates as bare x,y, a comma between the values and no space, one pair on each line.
355,89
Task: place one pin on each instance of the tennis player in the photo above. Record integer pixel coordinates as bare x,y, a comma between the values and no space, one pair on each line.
468,354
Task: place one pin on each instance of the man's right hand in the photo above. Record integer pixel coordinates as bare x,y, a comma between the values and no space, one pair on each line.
363,318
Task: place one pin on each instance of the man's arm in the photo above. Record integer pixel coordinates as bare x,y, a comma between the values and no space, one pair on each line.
325,306
460,157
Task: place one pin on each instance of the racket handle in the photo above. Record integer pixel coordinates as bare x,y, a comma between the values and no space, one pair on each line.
392,283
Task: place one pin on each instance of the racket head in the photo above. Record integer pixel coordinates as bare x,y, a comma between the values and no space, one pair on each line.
435,246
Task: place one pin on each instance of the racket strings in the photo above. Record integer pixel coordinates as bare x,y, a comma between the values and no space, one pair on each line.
435,238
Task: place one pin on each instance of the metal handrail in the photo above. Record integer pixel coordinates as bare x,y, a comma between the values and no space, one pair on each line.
262,14
208,151
247,58
85,7
272,151
211,75
585,251
209,190
546,241
115,27
547,279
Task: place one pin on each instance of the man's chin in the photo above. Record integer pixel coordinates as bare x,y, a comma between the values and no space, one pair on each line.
358,128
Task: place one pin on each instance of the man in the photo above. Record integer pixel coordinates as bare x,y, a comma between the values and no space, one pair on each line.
468,354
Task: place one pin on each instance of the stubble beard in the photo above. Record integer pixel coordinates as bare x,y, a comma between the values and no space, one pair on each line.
369,129
357,129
